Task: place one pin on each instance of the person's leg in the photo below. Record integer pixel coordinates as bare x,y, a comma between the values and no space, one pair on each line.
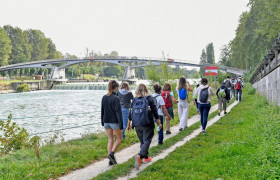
139,132
110,135
200,107
236,95
147,139
180,110
160,133
240,94
205,115
225,105
125,113
118,141
184,116
220,105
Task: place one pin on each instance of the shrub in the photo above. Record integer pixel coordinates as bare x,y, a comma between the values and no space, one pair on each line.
251,91
23,88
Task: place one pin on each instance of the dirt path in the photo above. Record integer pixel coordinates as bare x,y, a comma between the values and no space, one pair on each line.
166,152
122,156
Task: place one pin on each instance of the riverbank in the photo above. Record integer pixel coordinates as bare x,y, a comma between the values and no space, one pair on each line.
58,159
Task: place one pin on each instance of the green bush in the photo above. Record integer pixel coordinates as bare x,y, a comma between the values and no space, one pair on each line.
251,91
23,88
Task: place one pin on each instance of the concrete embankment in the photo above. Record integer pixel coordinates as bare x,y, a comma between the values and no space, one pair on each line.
34,86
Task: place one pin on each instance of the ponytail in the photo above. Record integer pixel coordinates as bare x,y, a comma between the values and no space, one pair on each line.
111,86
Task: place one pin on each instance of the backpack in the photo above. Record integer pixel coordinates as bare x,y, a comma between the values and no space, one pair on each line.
155,101
222,93
183,94
228,84
203,96
167,98
238,85
140,111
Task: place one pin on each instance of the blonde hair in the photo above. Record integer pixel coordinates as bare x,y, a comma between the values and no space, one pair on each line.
111,86
125,85
141,91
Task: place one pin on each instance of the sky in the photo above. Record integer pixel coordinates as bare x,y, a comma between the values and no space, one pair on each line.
143,28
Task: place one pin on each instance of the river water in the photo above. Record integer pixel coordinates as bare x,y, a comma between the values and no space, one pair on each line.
42,111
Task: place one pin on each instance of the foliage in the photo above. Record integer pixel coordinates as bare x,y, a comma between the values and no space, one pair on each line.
13,138
225,55
5,47
23,88
203,60
255,34
210,55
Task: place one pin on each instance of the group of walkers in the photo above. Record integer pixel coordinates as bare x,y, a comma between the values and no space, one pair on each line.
121,111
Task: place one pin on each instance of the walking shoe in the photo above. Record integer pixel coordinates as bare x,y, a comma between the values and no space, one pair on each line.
110,163
145,161
219,114
168,132
186,127
203,131
225,112
181,129
112,158
160,143
137,162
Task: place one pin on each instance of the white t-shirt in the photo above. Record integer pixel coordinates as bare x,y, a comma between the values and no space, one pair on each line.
160,102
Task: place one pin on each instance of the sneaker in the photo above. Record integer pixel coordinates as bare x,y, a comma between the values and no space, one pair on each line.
225,112
181,129
168,132
203,131
137,162
186,127
160,143
145,161
112,158
110,163
219,114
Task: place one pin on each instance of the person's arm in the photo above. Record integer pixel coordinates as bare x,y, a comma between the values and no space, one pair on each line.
129,118
118,111
154,111
174,100
218,92
166,112
211,92
102,112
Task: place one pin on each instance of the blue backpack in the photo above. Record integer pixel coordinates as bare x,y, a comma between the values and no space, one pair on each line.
183,94
140,110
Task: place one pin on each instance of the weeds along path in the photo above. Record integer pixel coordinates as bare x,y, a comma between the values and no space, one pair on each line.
166,152
124,155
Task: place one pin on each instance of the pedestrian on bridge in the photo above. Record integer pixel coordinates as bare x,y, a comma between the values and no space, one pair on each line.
204,93
111,119
142,114
126,97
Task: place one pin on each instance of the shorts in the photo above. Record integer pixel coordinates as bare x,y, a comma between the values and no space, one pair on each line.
113,126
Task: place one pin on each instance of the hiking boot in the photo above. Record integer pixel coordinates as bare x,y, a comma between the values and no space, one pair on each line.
145,161
112,159
181,129
110,163
168,132
137,162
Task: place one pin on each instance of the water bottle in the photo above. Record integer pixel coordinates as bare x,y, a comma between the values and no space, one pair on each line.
158,128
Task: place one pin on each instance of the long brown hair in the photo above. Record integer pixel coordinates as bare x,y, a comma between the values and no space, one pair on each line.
111,86
141,91
167,87
125,85
182,83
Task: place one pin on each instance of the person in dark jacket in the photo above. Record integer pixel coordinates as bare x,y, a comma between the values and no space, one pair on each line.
144,133
223,94
125,97
111,119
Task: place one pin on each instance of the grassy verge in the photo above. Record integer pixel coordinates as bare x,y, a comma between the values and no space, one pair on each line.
125,168
59,159
242,145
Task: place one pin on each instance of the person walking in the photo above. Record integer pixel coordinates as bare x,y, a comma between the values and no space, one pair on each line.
233,87
160,104
142,114
168,97
204,93
125,98
183,105
195,97
111,119
239,85
223,95
228,83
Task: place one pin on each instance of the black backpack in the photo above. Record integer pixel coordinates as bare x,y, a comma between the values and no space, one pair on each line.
140,112
203,96
228,84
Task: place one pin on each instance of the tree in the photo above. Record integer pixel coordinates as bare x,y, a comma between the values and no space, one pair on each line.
21,49
5,47
53,53
210,55
225,55
39,43
203,60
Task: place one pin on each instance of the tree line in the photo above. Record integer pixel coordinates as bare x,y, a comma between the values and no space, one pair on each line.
256,32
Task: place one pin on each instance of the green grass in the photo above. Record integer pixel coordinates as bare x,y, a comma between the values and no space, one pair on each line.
245,144
59,159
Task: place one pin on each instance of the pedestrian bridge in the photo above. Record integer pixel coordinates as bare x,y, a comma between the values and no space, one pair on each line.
58,72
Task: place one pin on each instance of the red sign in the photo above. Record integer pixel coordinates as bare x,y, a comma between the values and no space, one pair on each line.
211,71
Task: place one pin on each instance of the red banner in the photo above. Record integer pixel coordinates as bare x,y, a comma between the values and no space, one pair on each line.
211,71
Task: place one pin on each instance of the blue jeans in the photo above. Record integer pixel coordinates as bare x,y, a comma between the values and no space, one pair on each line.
240,94
160,133
125,113
204,112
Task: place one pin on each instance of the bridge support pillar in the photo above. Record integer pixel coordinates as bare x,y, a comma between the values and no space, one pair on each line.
129,73
57,74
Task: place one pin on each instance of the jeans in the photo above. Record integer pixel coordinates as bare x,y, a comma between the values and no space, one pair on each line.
183,111
125,113
204,112
160,133
240,94
145,136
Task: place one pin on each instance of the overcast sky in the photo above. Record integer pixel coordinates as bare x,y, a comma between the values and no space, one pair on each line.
181,28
